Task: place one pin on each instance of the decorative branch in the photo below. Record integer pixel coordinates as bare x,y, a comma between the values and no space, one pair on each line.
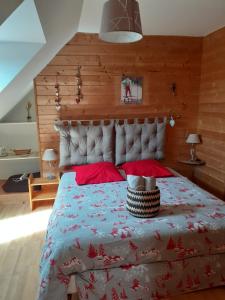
28,107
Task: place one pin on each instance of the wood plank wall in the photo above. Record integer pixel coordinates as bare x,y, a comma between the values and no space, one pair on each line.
211,120
160,60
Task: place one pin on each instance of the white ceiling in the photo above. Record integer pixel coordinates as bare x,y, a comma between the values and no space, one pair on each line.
165,17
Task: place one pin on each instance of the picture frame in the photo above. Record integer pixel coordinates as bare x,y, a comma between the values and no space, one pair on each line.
131,89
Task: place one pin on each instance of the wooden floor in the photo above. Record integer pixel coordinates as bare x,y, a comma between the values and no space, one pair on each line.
21,239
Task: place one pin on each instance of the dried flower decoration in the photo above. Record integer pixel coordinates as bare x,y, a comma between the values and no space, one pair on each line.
28,107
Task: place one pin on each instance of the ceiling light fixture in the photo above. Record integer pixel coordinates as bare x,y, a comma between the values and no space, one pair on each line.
121,22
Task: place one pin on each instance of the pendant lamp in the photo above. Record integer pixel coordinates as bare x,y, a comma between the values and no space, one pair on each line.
121,22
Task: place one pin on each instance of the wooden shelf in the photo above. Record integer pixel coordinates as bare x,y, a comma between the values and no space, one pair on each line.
17,123
48,189
19,135
44,195
43,181
191,162
34,155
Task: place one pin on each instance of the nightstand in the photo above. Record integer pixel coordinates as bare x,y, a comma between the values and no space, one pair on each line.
192,162
42,189
191,165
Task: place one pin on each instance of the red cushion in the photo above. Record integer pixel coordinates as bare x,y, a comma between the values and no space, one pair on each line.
147,168
100,172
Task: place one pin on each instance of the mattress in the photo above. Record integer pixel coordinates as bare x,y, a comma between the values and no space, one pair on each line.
91,234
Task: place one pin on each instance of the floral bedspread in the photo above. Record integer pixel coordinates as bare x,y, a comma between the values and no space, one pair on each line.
90,229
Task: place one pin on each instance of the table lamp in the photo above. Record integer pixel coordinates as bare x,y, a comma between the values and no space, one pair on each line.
193,139
50,156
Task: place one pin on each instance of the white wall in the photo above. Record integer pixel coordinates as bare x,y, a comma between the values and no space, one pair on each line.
19,112
18,136
14,167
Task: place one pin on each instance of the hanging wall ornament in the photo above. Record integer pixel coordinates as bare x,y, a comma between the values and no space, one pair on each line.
79,85
172,117
173,89
57,98
172,121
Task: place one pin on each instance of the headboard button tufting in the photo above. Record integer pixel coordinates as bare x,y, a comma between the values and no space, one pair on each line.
139,141
80,144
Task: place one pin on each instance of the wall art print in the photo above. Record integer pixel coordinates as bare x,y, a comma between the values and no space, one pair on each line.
131,89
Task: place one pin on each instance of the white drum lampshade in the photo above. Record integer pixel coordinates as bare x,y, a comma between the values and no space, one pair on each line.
50,156
193,139
121,22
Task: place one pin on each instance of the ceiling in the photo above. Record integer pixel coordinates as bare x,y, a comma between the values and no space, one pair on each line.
51,23
19,68
7,7
165,17
16,32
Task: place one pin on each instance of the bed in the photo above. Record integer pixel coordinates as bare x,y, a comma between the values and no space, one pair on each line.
112,255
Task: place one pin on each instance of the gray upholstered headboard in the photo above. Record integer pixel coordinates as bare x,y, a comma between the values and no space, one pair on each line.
140,141
82,144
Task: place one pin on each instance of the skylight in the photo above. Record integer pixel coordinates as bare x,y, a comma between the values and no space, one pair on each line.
21,37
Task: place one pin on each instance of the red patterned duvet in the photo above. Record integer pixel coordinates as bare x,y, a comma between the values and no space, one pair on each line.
117,256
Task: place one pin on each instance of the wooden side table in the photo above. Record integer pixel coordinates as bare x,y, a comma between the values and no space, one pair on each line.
192,164
47,191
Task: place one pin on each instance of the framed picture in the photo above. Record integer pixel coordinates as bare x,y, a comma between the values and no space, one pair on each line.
131,90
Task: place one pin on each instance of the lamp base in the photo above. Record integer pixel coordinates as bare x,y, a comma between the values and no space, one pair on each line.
195,159
193,153
50,176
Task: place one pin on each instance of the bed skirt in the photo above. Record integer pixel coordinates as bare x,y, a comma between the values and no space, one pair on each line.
153,281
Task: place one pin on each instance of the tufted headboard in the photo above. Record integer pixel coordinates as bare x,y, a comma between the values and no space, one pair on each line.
140,141
83,144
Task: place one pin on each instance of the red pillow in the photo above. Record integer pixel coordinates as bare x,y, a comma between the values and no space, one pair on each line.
148,167
100,172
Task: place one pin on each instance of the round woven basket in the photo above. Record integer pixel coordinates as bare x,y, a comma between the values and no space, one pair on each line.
143,204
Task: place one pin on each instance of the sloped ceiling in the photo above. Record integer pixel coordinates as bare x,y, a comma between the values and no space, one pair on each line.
165,17
59,21
7,7
19,41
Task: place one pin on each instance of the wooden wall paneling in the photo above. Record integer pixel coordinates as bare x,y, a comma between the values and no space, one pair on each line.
159,60
211,120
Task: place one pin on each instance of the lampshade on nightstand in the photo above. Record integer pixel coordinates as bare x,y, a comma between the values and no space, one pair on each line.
50,156
193,139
